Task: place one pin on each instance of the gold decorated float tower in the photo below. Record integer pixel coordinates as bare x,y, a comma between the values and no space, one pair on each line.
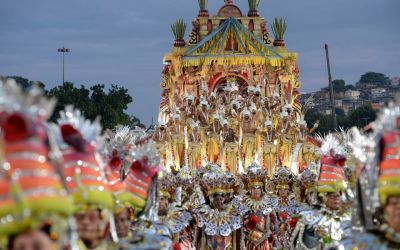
230,94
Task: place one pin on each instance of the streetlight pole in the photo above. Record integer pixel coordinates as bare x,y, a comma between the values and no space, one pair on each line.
63,51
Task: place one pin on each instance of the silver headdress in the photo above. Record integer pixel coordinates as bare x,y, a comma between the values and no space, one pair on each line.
331,145
375,181
31,103
90,131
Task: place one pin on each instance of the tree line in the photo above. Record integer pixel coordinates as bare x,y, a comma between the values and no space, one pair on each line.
111,105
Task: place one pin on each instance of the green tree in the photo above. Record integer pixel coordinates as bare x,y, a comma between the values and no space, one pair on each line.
339,85
111,106
373,77
68,94
340,112
326,121
361,116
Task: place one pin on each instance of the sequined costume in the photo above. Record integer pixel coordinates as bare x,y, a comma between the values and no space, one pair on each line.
284,207
32,189
219,224
256,228
327,226
378,188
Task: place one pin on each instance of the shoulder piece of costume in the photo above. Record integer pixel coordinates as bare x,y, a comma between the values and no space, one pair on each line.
263,205
369,241
219,222
153,236
176,219
292,207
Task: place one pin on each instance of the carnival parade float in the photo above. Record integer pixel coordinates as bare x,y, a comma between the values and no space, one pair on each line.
230,95
231,165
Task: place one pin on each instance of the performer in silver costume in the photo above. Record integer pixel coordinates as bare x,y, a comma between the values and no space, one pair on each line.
324,227
377,205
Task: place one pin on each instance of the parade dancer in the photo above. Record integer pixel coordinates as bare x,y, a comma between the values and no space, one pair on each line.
325,227
377,204
34,204
120,143
220,218
285,208
256,224
79,140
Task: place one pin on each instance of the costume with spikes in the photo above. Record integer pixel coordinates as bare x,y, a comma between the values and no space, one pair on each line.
141,180
323,228
285,209
118,148
308,192
378,186
84,170
219,222
256,224
32,190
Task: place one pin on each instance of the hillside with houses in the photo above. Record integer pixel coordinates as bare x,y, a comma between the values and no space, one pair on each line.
373,88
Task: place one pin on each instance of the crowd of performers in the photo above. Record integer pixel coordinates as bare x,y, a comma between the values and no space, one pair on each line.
231,126
66,185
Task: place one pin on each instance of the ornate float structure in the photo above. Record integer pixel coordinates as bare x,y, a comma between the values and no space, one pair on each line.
230,95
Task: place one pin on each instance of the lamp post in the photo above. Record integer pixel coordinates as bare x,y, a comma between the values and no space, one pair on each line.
63,51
